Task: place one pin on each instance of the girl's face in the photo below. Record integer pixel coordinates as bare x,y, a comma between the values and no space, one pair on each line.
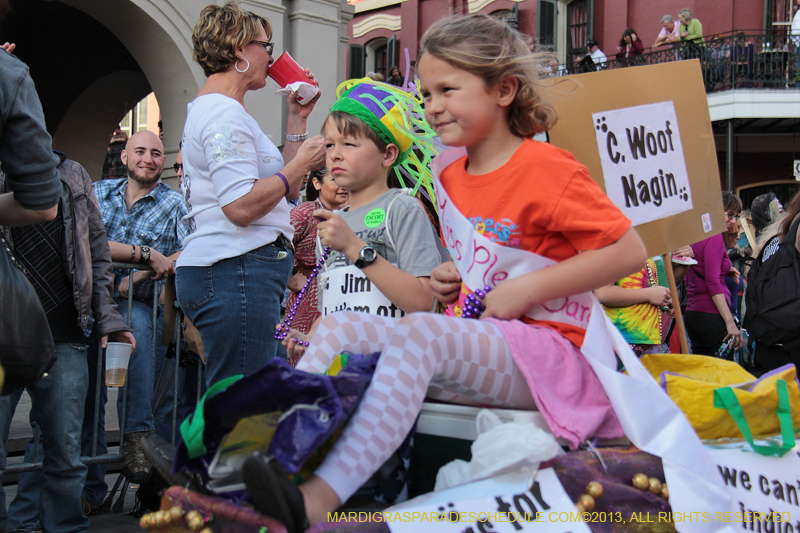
332,196
626,38
459,106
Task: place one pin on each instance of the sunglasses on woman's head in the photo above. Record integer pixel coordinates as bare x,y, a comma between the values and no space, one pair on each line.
177,167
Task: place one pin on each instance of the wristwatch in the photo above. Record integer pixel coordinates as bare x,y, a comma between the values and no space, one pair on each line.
366,256
144,257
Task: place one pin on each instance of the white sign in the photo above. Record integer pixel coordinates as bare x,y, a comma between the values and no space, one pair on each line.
642,159
797,169
765,491
349,289
501,505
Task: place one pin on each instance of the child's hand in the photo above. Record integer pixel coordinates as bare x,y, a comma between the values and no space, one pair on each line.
294,349
686,251
445,282
508,300
659,296
333,231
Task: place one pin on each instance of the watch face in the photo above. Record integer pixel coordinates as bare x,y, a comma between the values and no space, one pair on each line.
369,254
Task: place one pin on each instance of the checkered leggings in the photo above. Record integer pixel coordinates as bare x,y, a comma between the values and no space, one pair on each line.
452,359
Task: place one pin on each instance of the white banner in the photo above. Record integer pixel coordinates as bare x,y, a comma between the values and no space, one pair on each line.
503,504
765,491
642,159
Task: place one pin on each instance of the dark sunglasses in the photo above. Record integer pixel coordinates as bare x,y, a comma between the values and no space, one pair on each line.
177,167
269,47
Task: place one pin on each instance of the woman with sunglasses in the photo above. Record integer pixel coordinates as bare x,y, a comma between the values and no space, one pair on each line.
708,317
237,261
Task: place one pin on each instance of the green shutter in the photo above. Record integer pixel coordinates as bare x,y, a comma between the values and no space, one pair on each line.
358,58
546,15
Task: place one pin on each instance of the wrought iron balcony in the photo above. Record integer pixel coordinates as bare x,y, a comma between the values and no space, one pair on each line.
735,60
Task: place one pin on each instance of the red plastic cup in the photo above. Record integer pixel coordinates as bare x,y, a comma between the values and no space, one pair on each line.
285,71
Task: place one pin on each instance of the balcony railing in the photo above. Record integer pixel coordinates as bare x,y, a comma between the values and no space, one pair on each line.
735,60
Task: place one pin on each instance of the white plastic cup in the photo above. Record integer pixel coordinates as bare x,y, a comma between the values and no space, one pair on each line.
117,356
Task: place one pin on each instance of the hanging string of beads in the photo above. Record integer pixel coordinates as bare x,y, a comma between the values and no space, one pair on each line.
473,304
286,325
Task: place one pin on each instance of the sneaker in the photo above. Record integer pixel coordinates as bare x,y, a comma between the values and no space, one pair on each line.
137,465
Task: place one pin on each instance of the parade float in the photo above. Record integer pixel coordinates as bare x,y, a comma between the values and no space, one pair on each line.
708,446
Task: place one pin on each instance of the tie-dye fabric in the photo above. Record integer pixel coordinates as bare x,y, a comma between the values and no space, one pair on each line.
640,323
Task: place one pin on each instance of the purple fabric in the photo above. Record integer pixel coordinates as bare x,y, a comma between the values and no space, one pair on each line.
707,277
277,387
562,382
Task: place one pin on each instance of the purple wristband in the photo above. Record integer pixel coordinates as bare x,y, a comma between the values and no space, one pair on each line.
285,181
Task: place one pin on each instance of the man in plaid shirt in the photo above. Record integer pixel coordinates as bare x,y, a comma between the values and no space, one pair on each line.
144,222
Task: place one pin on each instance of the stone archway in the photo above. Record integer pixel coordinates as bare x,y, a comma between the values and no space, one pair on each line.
92,60
158,36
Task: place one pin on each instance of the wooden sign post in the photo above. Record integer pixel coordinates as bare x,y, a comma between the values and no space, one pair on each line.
645,135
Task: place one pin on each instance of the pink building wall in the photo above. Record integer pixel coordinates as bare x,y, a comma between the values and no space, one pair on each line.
611,17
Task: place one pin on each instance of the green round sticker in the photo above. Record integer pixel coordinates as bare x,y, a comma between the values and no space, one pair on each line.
374,218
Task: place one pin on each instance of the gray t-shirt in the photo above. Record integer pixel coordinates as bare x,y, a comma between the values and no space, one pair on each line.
410,243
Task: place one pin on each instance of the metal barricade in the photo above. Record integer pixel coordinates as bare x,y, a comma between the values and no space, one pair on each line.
169,375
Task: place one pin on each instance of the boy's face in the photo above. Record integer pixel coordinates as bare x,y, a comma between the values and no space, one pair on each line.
354,162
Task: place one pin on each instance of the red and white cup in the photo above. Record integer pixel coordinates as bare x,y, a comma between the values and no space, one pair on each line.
291,77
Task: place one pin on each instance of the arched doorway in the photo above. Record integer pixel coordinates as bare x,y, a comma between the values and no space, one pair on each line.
93,60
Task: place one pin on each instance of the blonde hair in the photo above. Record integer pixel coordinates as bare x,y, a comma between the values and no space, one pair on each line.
220,30
686,13
490,49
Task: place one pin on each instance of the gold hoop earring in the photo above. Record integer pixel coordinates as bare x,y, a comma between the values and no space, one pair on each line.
236,65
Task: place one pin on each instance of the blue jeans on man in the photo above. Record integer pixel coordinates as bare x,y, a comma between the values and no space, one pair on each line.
50,499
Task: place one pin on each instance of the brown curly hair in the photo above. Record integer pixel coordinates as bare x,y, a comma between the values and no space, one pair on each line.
220,31
492,50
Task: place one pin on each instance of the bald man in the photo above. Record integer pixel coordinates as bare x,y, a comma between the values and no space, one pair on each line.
144,222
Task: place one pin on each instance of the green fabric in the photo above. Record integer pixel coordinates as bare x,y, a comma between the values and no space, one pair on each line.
725,398
192,428
695,29
352,107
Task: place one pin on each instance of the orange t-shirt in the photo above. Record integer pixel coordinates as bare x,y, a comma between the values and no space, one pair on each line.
542,200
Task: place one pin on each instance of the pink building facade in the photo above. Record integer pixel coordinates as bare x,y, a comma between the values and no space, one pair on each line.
756,121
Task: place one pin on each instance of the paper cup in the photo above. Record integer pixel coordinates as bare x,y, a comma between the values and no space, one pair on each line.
285,70
117,356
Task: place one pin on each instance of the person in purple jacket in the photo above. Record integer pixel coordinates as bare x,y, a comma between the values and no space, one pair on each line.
709,321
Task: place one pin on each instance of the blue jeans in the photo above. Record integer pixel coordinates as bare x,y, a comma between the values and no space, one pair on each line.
51,497
235,304
140,382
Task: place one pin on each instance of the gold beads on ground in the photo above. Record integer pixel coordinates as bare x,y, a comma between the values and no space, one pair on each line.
655,485
587,502
641,482
594,489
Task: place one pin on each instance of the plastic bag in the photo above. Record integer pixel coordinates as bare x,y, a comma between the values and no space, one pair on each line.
499,448
691,382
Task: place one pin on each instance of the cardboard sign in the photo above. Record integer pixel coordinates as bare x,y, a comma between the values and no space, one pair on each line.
639,101
503,504
633,142
765,491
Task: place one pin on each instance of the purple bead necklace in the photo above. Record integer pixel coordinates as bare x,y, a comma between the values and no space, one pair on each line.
286,325
473,304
